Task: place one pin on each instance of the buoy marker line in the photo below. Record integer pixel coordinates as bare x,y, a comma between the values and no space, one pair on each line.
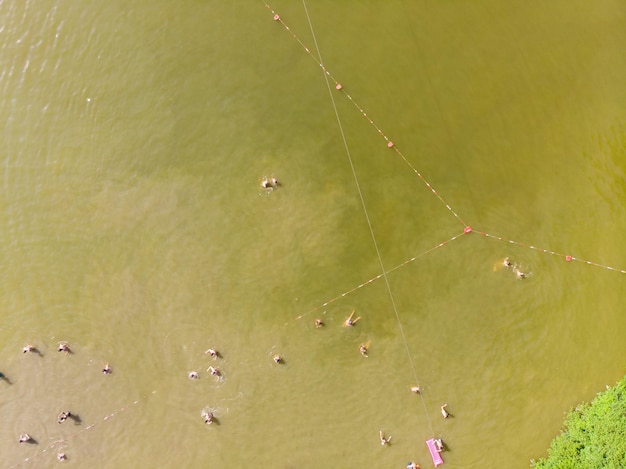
377,277
567,257
339,87
394,147
369,223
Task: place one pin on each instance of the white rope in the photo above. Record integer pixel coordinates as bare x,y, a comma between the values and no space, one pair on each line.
369,224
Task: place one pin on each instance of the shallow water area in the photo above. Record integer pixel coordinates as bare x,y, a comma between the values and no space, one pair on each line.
135,228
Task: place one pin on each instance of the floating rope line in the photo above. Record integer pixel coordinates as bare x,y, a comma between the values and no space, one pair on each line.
373,279
567,257
369,224
61,441
393,146
339,87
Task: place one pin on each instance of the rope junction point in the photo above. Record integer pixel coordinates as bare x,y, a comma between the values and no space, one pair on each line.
390,144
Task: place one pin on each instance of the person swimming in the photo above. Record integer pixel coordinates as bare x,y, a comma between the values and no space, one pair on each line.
208,417
269,183
415,389
214,371
63,416
278,359
193,375
385,441
107,369
25,438
213,353
64,347
349,322
319,323
363,350
520,275
444,412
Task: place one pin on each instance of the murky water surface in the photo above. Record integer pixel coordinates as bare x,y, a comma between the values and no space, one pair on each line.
133,227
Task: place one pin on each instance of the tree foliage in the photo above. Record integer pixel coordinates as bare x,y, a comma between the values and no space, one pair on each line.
594,434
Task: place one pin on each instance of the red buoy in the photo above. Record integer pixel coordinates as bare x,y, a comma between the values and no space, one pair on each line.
276,17
338,86
568,258
467,229
390,144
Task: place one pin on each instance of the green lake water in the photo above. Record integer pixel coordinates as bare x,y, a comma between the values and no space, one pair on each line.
133,226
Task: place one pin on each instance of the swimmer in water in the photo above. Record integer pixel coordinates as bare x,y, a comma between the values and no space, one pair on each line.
61,456
520,275
383,439
412,465
213,353
25,438
319,323
444,412
349,322
64,347
107,369
507,263
208,417
193,375
415,389
63,416
278,359
30,348
363,350
214,371
270,183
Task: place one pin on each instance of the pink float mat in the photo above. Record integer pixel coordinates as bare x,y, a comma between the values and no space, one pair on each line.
437,459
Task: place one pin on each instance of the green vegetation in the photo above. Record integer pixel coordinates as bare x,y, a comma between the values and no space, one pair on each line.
594,434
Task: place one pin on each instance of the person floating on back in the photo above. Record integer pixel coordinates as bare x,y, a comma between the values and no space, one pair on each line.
444,412
349,322
439,445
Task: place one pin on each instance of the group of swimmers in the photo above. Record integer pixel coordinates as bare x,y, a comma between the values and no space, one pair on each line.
384,439
519,273
63,347
349,322
207,415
